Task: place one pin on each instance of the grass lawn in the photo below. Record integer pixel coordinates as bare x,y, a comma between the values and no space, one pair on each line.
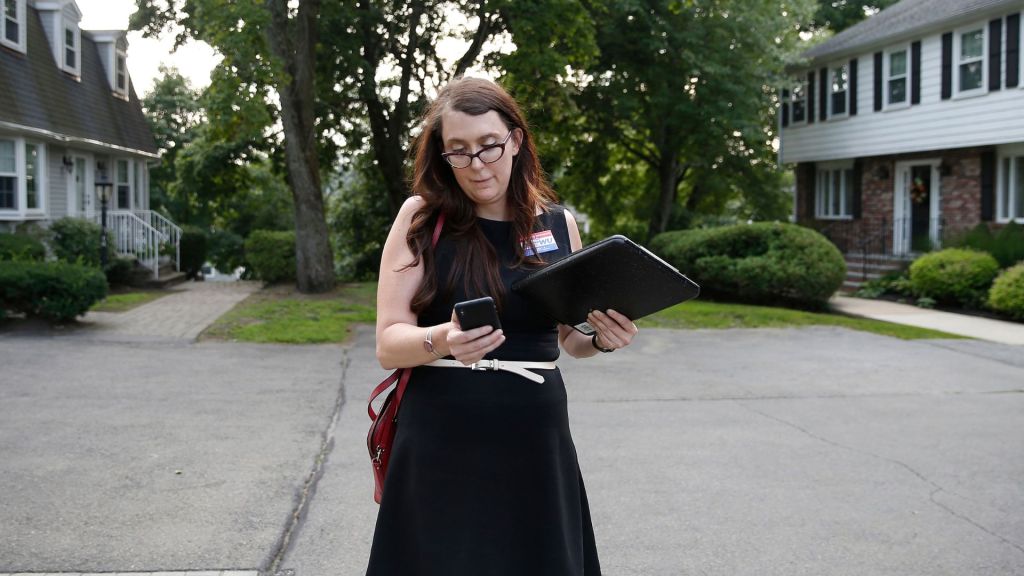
280,314
707,314
126,301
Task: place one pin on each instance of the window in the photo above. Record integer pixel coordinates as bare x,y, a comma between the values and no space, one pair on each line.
897,73
32,184
71,39
137,187
970,61
121,75
1011,188
124,187
798,103
839,90
834,192
8,176
80,184
13,24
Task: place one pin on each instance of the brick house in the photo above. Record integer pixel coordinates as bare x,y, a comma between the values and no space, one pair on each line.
72,130
908,127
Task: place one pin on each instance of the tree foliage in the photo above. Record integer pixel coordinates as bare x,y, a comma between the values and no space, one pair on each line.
838,15
676,114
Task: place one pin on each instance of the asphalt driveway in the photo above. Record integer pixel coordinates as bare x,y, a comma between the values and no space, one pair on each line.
740,452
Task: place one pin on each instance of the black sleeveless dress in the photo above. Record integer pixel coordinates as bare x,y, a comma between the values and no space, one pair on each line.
483,478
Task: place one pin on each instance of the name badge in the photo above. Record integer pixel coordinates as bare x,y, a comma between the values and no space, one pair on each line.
544,241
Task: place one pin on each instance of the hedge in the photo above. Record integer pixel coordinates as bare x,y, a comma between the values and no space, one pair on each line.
56,291
193,251
21,247
762,263
954,276
78,241
272,255
1007,292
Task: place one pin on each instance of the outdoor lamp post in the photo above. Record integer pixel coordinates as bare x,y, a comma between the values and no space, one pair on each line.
103,190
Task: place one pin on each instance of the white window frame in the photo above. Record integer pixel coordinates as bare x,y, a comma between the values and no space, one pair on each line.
792,100
824,192
76,34
887,78
1007,178
119,57
17,187
22,211
129,175
831,90
957,44
19,16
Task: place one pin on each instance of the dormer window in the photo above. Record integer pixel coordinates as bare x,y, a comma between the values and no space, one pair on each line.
121,74
72,49
13,33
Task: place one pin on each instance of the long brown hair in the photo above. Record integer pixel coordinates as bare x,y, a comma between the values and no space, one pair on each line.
434,181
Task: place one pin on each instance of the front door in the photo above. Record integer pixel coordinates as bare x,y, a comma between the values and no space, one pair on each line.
916,207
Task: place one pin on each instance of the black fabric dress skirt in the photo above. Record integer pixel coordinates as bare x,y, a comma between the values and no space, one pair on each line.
483,478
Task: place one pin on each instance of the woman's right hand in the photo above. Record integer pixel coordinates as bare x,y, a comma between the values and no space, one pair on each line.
471,346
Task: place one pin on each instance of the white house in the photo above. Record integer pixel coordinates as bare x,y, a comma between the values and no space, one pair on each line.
909,126
72,130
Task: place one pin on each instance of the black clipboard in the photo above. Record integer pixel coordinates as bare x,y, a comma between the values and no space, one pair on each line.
614,273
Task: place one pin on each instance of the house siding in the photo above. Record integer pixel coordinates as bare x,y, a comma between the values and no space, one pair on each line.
933,125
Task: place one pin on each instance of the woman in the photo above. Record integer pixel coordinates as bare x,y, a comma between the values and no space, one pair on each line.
483,477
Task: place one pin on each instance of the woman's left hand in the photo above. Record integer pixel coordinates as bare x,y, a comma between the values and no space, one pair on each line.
614,330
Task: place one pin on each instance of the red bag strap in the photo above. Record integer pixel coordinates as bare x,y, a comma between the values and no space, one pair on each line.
402,374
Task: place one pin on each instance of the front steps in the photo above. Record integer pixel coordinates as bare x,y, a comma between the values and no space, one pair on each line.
860,269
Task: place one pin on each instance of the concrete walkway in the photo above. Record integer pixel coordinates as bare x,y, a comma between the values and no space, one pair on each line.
182,315
960,324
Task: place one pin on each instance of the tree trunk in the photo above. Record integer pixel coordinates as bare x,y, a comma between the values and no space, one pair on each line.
314,260
668,185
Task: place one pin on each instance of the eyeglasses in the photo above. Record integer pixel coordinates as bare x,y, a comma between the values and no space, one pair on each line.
488,154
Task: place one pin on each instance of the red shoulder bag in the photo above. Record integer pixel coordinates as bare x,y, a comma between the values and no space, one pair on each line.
385,423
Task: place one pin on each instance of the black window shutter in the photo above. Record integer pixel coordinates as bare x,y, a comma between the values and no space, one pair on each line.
947,65
858,179
785,108
878,81
1012,50
915,72
995,54
810,97
823,94
852,88
988,185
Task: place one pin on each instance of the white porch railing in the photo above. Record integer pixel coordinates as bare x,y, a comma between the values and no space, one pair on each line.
170,231
135,236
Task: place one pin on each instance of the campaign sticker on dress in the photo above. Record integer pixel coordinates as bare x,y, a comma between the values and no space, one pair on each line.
544,241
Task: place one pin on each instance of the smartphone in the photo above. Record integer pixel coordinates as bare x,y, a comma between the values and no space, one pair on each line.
477,313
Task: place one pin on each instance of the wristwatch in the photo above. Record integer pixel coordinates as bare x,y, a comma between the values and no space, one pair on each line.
428,343
593,340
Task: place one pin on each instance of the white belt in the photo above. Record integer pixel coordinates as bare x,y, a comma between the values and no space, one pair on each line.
514,367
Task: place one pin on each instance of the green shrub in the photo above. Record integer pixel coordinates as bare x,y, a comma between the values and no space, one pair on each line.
77,240
1007,292
119,271
193,250
226,251
1006,244
894,283
762,263
56,291
272,255
954,276
21,247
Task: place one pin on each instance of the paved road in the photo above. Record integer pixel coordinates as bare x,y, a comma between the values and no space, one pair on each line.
740,452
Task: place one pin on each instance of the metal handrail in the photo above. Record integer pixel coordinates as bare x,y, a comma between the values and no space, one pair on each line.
134,237
170,231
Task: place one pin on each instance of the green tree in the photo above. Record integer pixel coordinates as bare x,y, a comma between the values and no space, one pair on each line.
269,49
677,112
174,113
838,15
